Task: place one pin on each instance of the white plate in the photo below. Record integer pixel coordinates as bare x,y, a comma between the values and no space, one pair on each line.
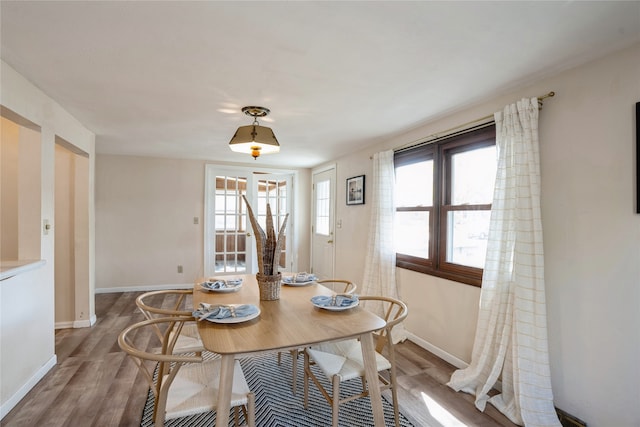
228,288
336,308
235,319
293,283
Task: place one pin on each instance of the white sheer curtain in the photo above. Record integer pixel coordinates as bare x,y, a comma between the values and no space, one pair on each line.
380,263
511,334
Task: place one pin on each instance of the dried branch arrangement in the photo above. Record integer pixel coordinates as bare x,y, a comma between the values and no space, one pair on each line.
269,247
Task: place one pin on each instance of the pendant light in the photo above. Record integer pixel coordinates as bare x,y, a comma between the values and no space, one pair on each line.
254,139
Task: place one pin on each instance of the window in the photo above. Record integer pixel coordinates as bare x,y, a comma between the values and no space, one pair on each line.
443,204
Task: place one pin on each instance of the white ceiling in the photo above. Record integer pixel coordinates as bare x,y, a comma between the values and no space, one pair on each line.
169,79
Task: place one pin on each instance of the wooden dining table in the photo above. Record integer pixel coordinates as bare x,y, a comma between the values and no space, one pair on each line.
291,322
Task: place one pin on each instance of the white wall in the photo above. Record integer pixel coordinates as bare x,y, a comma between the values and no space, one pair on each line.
145,209
591,233
26,342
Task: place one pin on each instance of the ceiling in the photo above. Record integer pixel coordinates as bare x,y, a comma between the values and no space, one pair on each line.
168,79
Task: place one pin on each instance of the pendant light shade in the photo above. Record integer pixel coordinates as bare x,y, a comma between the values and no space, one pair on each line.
254,139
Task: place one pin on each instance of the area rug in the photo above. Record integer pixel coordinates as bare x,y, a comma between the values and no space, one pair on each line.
277,406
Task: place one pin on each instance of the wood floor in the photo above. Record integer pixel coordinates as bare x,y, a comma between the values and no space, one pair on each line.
95,384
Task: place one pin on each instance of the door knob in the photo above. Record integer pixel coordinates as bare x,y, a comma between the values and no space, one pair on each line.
329,241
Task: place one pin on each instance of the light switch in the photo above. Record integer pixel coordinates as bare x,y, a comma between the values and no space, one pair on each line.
196,220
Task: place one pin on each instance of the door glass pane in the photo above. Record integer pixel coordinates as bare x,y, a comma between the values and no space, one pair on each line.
412,233
473,174
467,233
323,195
414,184
230,224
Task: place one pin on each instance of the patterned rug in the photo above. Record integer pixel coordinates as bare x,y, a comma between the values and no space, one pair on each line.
277,406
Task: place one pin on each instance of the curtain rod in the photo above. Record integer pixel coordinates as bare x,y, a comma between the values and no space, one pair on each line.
449,132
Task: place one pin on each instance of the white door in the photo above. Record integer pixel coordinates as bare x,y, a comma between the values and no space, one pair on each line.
229,244
276,190
322,228
228,248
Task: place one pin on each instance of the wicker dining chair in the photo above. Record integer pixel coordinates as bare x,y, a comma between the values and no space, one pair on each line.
182,384
339,286
342,361
189,339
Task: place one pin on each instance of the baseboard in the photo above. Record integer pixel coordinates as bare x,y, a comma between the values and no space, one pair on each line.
447,357
27,386
143,288
86,323
64,325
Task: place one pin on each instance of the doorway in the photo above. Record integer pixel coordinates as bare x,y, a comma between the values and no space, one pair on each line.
72,293
229,246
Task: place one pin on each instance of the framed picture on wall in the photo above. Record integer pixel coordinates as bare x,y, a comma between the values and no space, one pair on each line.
355,190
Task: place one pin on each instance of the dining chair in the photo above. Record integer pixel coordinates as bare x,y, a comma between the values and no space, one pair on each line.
189,338
182,384
339,286
342,361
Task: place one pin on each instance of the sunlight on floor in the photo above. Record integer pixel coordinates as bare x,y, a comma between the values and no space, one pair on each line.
440,414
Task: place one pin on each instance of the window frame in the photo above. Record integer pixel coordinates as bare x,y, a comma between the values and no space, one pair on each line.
440,151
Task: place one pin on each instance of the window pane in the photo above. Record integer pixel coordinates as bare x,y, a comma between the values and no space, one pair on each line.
323,194
467,237
219,222
414,184
473,174
412,233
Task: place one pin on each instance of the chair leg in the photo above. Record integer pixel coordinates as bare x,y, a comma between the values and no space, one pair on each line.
307,369
294,370
335,401
236,416
396,414
393,383
251,408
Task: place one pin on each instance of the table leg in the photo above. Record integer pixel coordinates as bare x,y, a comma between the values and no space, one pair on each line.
227,363
371,375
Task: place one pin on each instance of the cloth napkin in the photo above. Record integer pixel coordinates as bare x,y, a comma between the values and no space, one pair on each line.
210,311
339,300
222,284
299,278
